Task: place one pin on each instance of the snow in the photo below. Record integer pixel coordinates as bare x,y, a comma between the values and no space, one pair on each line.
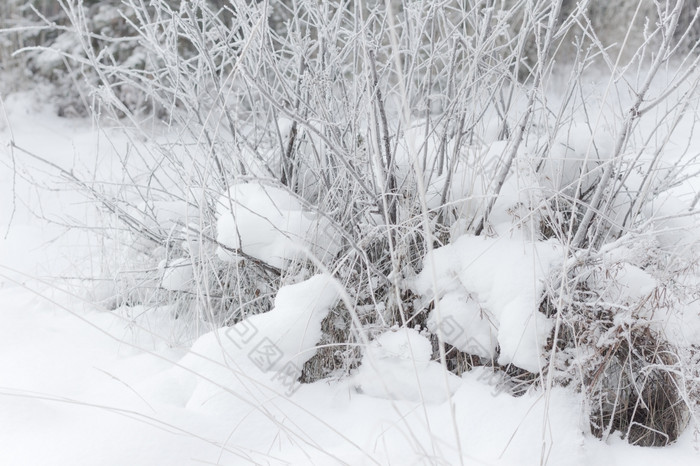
397,366
463,323
277,342
76,396
270,224
176,275
492,287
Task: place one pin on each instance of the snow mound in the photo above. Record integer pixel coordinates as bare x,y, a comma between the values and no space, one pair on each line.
465,324
270,224
488,292
177,275
266,350
397,365
293,326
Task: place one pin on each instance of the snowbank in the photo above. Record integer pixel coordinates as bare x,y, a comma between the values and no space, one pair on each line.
488,292
278,342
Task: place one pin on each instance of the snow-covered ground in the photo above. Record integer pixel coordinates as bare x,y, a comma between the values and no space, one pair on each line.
82,385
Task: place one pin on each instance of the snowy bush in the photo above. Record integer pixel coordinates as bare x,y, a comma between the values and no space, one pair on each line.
416,152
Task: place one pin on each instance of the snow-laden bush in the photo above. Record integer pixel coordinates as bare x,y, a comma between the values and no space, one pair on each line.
626,337
418,153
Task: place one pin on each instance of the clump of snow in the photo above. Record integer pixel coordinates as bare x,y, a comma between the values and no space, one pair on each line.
397,365
491,287
272,225
278,342
624,281
176,275
628,283
464,324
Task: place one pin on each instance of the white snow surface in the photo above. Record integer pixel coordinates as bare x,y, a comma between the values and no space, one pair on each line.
271,224
397,366
488,292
